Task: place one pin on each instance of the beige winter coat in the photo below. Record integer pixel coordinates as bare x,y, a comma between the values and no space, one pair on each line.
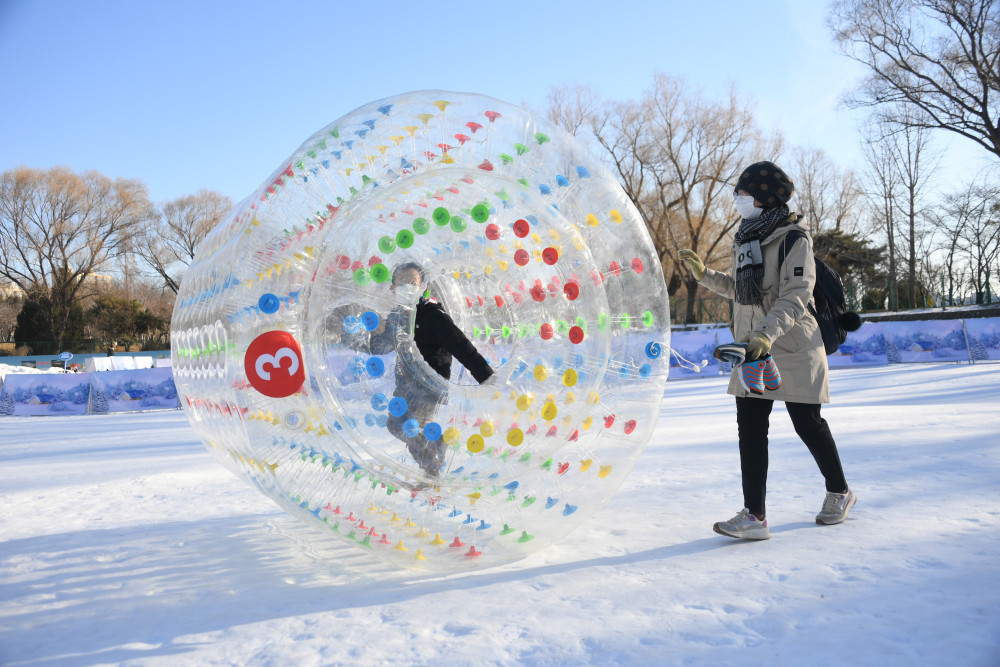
796,341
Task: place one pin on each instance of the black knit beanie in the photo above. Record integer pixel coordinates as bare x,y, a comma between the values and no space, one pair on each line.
767,183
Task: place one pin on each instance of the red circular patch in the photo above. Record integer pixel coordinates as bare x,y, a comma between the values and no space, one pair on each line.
273,364
499,301
521,228
550,255
492,232
521,257
637,265
538,293
629,426
571,290
609,421
576,335
546,331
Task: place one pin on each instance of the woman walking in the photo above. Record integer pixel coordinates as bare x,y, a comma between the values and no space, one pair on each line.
785,356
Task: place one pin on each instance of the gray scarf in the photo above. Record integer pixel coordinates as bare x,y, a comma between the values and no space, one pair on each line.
750,259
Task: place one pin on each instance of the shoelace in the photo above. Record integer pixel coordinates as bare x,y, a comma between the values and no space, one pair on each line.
741,516
830,503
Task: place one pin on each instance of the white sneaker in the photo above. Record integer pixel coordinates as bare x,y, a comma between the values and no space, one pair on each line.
744,525
836,507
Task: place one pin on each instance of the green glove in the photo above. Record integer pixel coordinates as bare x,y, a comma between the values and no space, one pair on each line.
758,345
693,262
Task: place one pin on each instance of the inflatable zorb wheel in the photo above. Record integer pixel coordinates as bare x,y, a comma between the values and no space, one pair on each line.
294,353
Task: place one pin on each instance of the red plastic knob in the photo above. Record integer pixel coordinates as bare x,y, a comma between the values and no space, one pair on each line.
521,228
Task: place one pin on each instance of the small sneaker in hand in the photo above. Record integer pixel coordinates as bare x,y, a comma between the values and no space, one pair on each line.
772,378
752,375
744,525
836,507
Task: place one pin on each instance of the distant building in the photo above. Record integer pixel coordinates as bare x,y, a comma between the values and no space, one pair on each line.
98,279
8,289
132,395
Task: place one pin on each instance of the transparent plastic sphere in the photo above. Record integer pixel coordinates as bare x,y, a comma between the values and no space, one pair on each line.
534,251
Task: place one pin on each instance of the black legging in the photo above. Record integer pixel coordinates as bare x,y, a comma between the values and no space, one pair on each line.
752,417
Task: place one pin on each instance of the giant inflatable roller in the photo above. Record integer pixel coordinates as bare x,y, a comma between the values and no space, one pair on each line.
536,253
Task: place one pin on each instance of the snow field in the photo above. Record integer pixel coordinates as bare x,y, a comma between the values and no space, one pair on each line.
123,542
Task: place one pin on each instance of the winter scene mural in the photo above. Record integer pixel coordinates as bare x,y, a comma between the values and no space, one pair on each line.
129,391
984,338
925,341
864,347
689,349
32,395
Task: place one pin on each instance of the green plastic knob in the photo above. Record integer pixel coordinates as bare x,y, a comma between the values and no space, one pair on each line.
386,244
441,216
380,273
480,213
421,226
361,277
404,239
458,224
647,318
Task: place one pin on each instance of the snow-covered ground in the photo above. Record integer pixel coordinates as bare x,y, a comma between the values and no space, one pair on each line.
6,369
122,541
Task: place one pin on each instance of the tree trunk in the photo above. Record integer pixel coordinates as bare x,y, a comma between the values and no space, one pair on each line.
912,277
893,296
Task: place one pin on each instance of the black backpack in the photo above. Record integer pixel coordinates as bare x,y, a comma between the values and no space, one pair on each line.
828,306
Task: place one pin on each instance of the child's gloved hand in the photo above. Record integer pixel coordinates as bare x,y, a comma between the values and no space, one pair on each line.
690,257
758,345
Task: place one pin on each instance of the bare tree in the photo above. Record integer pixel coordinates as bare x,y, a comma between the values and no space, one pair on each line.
827,195
169,242
881,190
950,222
574,109
915,163
57,228
900,165
677,156
938,58
976,216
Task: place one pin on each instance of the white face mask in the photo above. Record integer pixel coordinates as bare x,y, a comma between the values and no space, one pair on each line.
744,206
408,294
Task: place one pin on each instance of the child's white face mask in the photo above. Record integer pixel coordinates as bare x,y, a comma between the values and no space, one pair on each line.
744,206
408,294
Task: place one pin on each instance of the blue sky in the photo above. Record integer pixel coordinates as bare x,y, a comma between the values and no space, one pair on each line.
190,95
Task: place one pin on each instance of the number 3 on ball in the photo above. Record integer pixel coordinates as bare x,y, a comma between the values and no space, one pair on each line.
273,364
